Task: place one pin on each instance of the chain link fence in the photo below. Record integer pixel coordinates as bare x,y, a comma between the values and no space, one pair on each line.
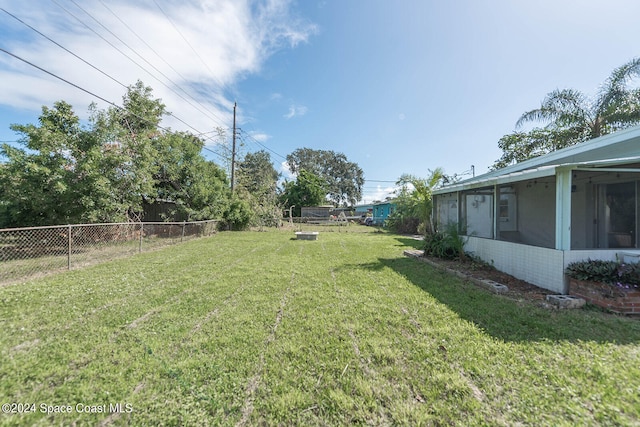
27,252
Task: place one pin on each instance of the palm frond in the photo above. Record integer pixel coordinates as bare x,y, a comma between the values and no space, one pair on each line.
619,79
624,113
615,96
558,108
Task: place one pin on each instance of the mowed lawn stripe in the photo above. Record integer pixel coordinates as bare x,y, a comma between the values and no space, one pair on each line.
340,356
153,302
218,368
262,329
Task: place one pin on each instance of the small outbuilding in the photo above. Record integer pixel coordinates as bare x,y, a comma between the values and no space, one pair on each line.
382,210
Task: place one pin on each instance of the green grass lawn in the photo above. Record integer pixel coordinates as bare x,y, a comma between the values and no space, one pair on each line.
259,329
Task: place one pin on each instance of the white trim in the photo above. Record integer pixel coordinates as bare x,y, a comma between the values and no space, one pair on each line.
563,209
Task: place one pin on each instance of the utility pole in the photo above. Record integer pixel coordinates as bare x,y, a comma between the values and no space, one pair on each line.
233,150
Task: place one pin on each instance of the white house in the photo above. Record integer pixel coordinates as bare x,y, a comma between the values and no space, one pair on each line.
533,218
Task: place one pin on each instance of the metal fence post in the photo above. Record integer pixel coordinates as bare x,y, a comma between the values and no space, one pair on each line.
42,249
69,247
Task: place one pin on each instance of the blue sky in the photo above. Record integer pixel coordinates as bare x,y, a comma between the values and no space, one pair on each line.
398,86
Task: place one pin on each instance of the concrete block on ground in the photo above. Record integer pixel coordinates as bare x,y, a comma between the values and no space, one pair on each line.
414,253
307,235
566,301
496,287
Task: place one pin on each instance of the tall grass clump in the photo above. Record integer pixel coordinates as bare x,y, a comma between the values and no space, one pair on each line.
447,244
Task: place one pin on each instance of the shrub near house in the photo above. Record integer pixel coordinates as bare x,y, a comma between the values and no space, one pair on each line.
607,284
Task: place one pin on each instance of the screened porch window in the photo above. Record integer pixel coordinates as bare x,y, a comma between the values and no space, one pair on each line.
478,213
618,215
604,212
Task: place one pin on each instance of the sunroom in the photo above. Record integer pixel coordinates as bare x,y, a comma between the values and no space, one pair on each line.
534,218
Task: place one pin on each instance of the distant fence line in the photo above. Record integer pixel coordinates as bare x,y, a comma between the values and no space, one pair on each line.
30,251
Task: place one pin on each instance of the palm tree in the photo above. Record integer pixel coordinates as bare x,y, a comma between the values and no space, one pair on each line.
573,117
419,202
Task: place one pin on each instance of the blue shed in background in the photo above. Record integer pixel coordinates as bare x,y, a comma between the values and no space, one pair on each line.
382,210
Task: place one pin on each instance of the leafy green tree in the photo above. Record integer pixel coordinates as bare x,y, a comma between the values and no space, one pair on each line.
67,173
208,193
256,173
519,146
141,113
257,181
61,176
307,190
175,165
183,176
344,179
415,203
134,130
573,117
166,165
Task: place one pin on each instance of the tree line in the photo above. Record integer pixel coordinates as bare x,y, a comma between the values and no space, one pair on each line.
107,170
122,159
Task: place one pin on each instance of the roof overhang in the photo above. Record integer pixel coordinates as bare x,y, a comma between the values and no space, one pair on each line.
539,172
610,149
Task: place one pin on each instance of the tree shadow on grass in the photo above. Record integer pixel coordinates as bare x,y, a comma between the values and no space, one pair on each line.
515,320
411,242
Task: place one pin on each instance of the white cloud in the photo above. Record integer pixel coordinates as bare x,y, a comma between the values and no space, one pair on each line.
260,136
190,59
286,170
379,194
295,111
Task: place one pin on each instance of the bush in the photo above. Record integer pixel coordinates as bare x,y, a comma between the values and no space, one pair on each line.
402,224
237,216
447,244
610,272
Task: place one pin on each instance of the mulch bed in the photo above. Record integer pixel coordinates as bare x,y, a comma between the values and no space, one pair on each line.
517,288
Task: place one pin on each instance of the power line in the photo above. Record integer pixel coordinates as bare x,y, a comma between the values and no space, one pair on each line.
124,54
95,95
175,27
198,133
248,135
91,93
62,47
119,108
213,115
59,78
216,153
